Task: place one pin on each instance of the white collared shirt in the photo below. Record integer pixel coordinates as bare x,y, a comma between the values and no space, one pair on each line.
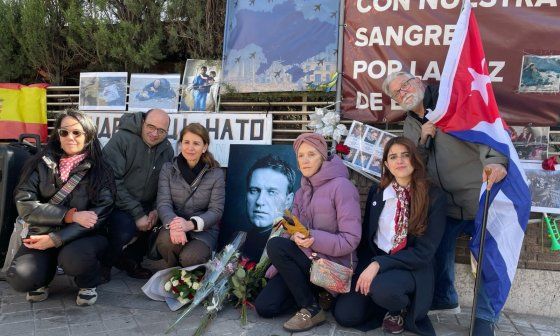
386,227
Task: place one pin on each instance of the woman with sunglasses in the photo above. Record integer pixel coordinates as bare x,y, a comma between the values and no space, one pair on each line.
62,226
403,224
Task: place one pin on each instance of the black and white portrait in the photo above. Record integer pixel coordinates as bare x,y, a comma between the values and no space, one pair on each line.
531,143
261,184
545,188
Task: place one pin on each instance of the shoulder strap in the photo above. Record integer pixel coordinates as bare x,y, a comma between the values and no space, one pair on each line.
67,187
197,181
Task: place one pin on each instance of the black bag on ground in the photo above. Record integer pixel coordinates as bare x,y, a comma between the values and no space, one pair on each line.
12,158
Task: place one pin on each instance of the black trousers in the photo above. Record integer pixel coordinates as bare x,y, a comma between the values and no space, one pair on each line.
32,269
389,291
291,287
121,229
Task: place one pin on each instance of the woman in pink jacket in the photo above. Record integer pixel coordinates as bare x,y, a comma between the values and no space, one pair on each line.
328,204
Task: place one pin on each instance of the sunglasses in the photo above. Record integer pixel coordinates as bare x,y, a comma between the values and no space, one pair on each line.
63,133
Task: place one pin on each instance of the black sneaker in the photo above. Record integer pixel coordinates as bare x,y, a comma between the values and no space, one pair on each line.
86,296
445,309
483,327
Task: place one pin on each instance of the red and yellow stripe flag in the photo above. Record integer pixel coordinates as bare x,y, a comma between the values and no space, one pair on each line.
23,109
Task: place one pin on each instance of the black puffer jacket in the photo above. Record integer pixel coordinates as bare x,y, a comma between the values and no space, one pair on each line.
135,165
32,200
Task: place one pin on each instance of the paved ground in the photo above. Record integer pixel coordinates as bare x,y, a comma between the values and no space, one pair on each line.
122,309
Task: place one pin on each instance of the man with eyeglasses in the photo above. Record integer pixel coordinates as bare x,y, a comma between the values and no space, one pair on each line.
457,167
136,153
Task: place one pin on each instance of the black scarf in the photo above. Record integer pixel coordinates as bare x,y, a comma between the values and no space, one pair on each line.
189,174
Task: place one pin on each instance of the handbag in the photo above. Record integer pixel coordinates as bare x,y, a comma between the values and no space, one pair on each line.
21,227
330,275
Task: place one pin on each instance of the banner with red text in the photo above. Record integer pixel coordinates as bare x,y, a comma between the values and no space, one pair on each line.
520,39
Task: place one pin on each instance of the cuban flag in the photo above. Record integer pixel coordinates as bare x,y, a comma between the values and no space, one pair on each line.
467,109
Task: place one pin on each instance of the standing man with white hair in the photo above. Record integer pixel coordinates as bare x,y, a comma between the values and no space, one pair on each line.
457,167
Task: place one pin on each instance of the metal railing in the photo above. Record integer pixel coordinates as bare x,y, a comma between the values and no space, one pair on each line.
289,118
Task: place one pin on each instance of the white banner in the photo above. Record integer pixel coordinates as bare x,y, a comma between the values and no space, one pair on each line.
224,128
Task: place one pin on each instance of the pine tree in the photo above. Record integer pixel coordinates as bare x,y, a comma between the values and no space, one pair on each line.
55,40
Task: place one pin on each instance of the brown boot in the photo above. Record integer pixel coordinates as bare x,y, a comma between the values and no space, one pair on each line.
303,320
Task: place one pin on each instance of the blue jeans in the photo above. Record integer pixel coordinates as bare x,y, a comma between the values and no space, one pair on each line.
444,292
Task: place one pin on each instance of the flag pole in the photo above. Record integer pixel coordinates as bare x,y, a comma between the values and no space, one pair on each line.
480,254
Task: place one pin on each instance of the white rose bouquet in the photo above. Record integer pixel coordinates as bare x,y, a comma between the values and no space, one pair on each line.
183,284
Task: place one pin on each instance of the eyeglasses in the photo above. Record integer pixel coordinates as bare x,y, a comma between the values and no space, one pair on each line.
63,133
151,128
404,86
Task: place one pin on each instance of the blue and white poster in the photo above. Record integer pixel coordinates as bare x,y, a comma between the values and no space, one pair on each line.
148,91
280,45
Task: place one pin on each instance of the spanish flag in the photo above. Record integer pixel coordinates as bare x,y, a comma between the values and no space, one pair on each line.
23,109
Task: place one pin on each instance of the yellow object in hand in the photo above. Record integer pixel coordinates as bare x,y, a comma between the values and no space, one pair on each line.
292,224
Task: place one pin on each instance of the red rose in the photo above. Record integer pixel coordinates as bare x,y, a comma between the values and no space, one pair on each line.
549,163
244,261
342,149
250,265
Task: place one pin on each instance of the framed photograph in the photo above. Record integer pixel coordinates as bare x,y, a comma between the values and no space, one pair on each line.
103,91
261,184
366,147
531,143
545,188
540,74
149,91
201,84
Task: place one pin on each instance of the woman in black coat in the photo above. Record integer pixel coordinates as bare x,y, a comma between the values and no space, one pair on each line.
403,225
63,232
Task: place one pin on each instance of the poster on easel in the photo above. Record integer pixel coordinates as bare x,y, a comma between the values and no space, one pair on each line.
201,83
103,91
149,91
544,186
531,143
